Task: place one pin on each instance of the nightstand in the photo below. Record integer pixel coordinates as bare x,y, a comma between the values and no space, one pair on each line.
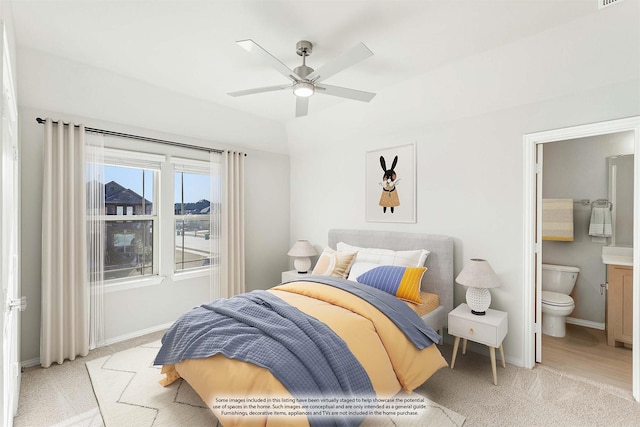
489,330
290,275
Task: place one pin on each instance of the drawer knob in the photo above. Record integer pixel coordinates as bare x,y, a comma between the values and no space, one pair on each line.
471,330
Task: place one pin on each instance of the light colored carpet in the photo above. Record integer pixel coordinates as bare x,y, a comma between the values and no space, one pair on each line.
126,387
541,396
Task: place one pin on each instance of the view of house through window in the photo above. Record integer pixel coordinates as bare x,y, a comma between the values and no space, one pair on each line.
192,211
129,196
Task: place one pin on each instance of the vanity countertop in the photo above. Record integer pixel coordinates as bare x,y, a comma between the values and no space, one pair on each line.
617,255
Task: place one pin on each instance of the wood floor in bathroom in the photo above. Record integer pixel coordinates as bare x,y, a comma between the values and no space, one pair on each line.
584,352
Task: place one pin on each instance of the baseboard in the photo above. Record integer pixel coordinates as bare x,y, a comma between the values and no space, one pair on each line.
36,361
137,334
586,323
29,363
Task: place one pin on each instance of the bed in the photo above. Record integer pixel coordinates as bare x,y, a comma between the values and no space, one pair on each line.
372,343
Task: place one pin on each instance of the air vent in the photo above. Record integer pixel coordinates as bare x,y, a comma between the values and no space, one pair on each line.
604,3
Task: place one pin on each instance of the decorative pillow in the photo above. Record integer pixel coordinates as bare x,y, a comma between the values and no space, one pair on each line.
403,282
332,263
358,268
413,258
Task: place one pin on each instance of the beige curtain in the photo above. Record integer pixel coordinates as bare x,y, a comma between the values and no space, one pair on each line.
65,295
232,249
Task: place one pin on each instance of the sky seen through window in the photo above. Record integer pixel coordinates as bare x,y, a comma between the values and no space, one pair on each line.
196,186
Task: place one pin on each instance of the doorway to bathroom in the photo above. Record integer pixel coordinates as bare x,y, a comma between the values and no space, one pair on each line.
552,158
584,352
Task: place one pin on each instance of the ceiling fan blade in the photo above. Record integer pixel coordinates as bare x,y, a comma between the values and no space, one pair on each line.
259,90
255,49
343,92
354,55
302,106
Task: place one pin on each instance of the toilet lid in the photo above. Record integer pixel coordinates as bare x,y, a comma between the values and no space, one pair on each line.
556,299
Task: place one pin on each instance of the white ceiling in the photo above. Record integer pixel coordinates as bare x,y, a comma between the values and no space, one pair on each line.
189,46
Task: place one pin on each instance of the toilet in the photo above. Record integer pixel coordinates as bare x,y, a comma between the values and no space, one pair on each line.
557,283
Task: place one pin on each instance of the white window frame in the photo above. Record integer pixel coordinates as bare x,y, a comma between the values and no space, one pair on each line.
202,167
165,162
149,161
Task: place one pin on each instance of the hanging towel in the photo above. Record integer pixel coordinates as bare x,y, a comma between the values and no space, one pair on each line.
557,219
600,225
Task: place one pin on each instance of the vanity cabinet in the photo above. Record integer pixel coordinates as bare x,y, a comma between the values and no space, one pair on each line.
619,305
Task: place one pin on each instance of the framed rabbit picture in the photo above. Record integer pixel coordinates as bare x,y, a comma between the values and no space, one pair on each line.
390,184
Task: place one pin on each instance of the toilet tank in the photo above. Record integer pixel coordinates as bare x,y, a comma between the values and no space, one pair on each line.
559,278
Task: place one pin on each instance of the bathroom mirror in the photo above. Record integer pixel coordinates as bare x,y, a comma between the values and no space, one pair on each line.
621,197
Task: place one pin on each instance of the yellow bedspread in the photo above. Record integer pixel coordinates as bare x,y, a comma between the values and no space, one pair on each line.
389,358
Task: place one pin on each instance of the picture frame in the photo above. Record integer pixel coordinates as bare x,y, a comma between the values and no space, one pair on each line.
390,184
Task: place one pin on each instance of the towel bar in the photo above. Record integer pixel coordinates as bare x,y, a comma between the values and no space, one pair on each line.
597,203
600,202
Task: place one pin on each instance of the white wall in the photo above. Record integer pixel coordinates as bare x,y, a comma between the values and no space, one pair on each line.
57,84
68,91
577,169
468,120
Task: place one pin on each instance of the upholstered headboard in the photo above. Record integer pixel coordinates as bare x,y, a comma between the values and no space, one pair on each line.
438,278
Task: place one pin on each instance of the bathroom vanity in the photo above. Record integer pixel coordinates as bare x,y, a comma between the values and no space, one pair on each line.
619,321
619,305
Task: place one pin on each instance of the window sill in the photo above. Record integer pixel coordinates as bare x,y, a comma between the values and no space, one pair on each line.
127,285
187,275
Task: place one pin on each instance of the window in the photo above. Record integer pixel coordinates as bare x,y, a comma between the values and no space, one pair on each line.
138,222
193,208
129,184
130,221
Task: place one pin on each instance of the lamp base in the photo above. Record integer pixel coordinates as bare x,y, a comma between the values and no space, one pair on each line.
302,264
478,300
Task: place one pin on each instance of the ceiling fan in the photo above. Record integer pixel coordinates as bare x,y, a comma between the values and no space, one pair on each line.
305,81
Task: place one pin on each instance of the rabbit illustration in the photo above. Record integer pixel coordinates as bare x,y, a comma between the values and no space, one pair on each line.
389,197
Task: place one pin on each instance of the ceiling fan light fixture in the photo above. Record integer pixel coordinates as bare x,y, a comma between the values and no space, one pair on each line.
304,81
303,89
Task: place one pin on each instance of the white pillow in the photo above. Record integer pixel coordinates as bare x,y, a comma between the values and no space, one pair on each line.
358,268
413,258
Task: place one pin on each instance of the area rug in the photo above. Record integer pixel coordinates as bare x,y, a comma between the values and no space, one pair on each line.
126,387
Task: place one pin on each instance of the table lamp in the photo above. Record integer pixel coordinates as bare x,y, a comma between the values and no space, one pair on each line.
478,276
302,250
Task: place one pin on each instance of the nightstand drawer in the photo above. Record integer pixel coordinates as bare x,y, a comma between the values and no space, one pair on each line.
474,331
288,276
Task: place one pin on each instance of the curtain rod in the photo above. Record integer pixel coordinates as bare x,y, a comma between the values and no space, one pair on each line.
138,137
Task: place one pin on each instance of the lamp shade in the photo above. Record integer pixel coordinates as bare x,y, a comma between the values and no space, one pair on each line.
302,250
478,276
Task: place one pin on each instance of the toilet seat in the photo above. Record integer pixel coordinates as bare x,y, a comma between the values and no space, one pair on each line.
556,299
